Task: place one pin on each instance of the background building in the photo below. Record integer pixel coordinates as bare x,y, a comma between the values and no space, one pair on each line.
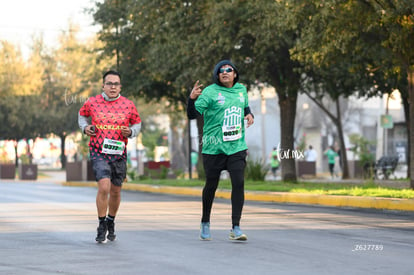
359,116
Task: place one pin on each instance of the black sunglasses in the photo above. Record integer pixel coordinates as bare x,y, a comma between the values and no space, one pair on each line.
227,70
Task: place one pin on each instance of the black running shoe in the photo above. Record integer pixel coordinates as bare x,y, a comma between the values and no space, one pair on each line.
111,230
102,229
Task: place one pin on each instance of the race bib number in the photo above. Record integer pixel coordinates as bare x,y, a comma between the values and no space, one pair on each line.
113,147
232,124
232,132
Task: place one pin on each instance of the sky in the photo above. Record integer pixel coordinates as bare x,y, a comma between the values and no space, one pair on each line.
21,19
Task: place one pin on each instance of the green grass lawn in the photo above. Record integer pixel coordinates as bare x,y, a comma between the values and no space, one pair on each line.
346,189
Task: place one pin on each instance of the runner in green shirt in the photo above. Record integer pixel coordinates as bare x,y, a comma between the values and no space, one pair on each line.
274,162
224,107
331,154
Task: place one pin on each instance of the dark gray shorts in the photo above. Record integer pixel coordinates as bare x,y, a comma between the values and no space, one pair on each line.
114,170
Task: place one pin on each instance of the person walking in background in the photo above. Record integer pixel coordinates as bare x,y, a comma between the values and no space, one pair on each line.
224,106
274,162
337,149
114,120
194,160
311,154
331,154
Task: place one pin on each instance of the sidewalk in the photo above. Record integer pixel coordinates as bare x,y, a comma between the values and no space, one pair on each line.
59,177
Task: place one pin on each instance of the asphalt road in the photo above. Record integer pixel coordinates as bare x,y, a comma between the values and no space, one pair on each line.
47,228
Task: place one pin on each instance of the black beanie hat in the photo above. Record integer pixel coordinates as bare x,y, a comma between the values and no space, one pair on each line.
217,68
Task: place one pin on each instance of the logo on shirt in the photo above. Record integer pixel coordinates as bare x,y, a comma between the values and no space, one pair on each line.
220,99
108,127
241,97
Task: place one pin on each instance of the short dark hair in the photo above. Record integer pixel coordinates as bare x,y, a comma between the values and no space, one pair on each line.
111,72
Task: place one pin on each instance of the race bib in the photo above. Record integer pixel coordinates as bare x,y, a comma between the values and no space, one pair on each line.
113,147
232,132
232,125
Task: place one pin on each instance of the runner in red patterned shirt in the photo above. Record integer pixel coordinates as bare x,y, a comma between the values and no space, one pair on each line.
114,120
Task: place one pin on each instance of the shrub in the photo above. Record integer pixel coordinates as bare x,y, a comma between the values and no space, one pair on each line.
256,170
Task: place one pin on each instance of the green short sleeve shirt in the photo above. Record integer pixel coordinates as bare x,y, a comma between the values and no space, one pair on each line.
223,112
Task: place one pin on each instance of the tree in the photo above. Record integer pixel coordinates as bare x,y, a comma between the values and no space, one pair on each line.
395,19
342,52
70,73
18,98
376,34
164,46
13,71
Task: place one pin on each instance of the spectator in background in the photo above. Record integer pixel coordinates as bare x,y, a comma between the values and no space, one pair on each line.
194,160
311,154
331,154
274,162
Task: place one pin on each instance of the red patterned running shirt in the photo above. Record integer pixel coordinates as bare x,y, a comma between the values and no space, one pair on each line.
108,118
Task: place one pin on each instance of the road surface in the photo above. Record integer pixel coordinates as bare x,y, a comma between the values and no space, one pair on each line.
47,228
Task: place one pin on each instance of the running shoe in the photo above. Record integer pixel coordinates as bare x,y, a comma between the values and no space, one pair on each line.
102,229
237,235
111,230
205,231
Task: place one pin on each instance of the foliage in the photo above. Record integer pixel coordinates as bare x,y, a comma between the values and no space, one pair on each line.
201,173
132,173
356,47
19,99
71,73
361,148
302,144
42,95
152,137
24,159
255,170
160,173
83,146
163,47
178,173
16,77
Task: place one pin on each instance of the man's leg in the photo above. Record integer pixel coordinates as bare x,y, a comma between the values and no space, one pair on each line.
213,165
236,165
104,186
118,171
114,199
114,202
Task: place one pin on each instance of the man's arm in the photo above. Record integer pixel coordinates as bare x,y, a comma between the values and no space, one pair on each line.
191,110
135,129
83,122
248,111
192,113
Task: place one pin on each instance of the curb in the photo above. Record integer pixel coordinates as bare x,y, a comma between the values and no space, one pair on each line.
279,197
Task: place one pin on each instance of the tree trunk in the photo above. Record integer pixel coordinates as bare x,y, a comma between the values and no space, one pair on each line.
62,151
344,158
178,151
337,120
200,166
16,158
406,104
287,105
29,151
410,74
